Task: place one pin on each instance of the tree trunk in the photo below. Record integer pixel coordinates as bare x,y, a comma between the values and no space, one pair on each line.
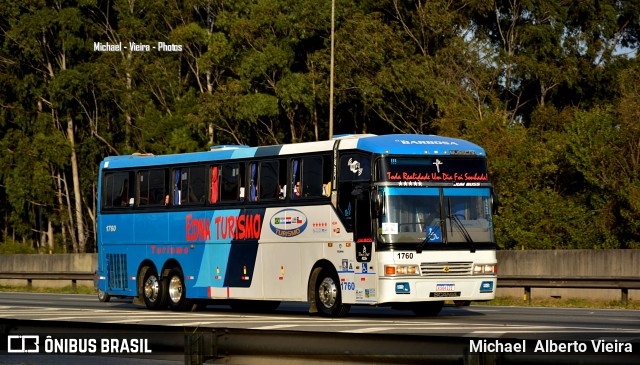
63,226
76,186
50,235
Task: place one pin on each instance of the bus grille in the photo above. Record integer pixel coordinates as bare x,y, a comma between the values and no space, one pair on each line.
117,271
446,268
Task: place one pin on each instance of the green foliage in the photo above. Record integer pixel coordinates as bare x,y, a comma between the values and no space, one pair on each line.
541,85
12,247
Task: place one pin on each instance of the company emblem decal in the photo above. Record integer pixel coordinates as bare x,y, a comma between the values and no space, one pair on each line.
354,166
288,223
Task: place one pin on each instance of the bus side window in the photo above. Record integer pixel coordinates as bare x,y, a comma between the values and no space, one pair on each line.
326,176
268,181
151,187
117,189
230,180
296,187
253,182
282,179
177,183
312,177
196,186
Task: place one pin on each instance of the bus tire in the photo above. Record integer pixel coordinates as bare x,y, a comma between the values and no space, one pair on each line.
103,297
176,291
427,309
328,296
153,292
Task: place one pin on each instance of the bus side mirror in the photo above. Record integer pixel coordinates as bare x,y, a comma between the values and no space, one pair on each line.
494,202
376,203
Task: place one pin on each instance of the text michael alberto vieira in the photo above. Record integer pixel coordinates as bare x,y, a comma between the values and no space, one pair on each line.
550,346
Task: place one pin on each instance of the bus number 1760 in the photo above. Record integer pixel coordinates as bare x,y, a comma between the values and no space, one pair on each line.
405,255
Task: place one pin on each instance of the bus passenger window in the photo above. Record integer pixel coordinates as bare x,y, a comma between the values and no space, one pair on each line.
253,182
151,187
312,177
230,178
296,188
268,181
195,189
282,180
116,189
189,185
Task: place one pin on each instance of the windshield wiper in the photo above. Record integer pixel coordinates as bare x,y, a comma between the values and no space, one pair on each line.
452,217
424,242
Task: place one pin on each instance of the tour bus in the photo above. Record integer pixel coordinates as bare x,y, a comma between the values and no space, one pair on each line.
394,220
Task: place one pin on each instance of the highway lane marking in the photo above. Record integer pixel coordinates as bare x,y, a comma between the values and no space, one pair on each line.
274,327
368,330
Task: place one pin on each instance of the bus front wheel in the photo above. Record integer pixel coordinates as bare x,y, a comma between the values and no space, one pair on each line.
328,295
152,290
176,291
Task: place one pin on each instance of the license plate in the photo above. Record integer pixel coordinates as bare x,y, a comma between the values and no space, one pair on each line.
444,294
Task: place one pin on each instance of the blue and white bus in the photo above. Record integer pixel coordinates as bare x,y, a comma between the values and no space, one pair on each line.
395,220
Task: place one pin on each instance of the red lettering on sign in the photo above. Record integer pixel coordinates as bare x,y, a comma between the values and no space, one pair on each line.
240,227
197,229
167,249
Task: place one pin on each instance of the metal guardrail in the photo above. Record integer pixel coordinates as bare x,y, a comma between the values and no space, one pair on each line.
30,276
198,346
624,283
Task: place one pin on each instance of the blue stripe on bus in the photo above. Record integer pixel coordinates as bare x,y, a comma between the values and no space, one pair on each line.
411,144
466,192
244,152
391,191
230,253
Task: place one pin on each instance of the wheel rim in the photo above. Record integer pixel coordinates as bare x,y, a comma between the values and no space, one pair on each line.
151,288
175,289
328,292
101,294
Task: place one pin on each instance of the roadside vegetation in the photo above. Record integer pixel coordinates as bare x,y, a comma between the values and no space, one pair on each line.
501,301
549,88
562,303
80,289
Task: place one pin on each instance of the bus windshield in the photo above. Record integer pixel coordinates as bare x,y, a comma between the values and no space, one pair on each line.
434,216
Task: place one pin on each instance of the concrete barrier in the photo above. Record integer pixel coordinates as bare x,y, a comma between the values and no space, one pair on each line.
590,263
603,263
86,262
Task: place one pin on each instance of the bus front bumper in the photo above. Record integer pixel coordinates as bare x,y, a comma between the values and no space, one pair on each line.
410,289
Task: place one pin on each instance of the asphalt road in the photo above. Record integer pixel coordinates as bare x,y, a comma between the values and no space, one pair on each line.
474,320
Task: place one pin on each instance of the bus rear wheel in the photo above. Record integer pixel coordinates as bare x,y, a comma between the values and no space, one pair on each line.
103,296
176,291
152,290
328,295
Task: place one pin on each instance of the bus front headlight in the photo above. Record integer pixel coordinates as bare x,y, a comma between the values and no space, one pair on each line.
401,270
485,269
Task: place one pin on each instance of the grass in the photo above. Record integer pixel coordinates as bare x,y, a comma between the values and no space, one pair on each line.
500,301
562,303
80,289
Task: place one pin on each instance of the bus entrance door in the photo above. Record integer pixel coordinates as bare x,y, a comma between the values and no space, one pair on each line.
365,268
